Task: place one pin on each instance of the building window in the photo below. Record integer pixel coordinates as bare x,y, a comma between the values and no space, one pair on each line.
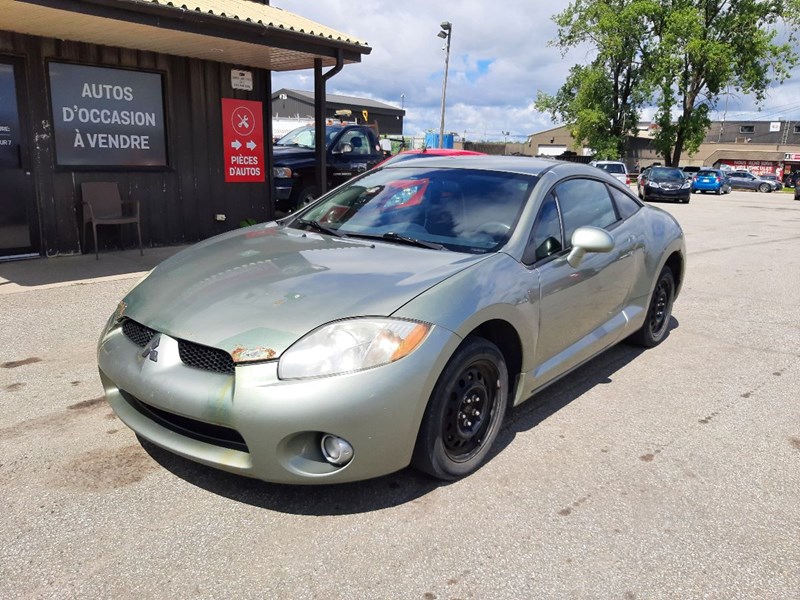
796,129
747,129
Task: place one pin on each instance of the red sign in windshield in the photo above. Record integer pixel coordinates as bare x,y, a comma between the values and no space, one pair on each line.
243,141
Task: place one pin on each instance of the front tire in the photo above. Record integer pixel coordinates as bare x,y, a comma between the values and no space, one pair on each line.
306,195
464,413
764,188
659,312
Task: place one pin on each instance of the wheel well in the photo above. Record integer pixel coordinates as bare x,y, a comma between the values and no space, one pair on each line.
503,335
675,264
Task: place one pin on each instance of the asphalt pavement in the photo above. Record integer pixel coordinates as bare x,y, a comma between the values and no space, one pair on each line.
667,473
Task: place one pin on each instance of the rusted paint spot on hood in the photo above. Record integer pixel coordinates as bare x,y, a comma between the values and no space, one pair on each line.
242,354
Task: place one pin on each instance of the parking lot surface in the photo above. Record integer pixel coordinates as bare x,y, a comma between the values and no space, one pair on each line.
667,473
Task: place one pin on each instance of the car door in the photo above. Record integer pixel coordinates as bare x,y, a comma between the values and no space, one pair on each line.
580,309
353,153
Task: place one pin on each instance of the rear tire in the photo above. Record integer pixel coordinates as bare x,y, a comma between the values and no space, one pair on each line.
656,323
464,413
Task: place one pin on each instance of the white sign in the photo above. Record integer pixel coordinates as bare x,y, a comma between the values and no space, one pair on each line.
774,126
242,80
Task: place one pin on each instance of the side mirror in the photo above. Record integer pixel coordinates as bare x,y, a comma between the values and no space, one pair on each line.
342,148
588,239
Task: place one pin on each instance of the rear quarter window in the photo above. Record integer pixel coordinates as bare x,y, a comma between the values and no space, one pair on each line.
626,206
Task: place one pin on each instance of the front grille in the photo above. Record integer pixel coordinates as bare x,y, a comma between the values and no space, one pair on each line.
209,433
137,333
203,357
191,354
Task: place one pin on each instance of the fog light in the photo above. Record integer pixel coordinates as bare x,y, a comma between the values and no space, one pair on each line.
336,450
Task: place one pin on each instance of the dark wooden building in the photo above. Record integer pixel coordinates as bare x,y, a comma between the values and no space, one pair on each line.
147,94
296,104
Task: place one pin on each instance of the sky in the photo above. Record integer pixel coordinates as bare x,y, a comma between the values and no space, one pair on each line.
500,58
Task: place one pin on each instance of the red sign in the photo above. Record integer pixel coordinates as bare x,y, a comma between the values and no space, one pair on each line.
243,140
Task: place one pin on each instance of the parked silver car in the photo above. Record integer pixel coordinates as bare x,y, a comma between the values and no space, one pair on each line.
392,321
744,180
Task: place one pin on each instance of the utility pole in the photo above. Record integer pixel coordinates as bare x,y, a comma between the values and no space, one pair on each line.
446,34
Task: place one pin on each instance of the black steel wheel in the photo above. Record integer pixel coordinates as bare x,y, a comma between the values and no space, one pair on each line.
464,413
656,324
306,195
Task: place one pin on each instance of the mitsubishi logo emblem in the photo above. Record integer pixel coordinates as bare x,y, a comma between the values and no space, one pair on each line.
150,349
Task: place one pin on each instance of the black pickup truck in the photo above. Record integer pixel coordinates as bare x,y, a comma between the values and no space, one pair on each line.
351,149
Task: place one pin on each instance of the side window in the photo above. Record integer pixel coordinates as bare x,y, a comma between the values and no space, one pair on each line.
545,238
626,206
359,143
584,202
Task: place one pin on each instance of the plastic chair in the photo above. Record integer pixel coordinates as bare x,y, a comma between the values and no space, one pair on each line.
102,205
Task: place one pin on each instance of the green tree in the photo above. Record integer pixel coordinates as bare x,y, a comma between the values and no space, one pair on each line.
707,46
674,55
600,102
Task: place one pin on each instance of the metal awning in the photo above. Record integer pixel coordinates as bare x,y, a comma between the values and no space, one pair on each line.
239,32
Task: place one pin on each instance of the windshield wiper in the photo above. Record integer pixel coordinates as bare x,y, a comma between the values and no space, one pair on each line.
396,237
320,227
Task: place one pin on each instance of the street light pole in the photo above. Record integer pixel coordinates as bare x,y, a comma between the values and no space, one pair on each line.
445,33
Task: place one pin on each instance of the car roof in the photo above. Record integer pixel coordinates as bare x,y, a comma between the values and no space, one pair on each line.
443,152
514,164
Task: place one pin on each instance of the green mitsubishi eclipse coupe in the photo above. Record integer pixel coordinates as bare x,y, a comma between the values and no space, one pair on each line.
392,322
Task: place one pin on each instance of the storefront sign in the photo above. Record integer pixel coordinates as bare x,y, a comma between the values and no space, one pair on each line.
243,140
107,117
9,119
756,167
242,80
790,156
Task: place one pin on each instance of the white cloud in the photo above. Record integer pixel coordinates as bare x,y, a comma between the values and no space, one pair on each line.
499,59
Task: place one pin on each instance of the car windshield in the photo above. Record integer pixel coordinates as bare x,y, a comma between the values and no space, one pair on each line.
618,168
707,174
463,210
667,174
304,137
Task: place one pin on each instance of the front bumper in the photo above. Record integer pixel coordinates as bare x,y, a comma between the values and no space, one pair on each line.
283,189
254,424
662,194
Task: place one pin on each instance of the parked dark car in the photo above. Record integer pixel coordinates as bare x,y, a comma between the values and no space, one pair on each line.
664,183
711,180
350,150
744,180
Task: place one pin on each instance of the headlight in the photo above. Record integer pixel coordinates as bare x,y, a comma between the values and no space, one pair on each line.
281,172
351,345
653,184
686,185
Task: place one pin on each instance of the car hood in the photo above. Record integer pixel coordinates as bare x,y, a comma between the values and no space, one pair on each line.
262,288
289,153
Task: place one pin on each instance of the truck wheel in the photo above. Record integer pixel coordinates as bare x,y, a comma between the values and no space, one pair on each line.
308,193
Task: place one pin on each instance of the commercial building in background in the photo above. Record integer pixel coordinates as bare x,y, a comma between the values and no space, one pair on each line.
295,105
171,102
762,147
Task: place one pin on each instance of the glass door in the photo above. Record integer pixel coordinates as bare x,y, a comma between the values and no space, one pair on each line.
17,202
